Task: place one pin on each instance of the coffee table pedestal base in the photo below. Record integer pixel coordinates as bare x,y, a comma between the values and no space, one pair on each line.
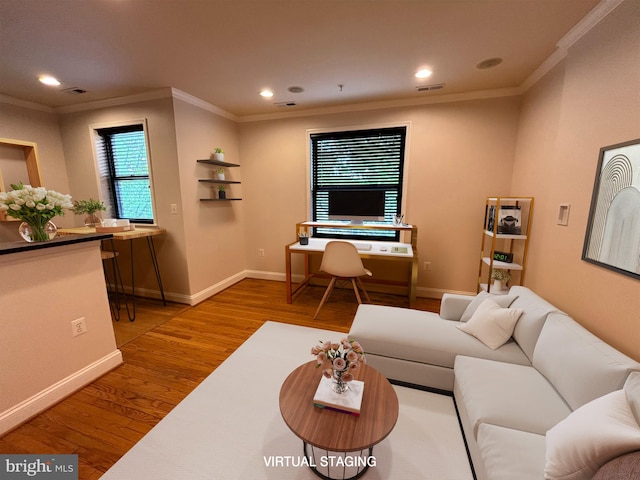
338,465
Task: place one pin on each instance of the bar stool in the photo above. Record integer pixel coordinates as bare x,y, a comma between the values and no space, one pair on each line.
117,293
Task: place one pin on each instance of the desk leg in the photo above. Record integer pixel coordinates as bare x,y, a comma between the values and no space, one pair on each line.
132,316
156,267
287,259
414,281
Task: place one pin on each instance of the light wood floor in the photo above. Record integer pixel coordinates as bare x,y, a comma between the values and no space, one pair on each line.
167,352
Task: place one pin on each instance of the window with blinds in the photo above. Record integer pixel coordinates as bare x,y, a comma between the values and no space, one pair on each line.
362,159
124,172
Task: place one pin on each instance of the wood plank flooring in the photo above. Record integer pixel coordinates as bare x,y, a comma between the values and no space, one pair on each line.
180,347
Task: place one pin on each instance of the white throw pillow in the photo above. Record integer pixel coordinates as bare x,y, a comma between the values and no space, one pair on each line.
503,300
492,324
595,433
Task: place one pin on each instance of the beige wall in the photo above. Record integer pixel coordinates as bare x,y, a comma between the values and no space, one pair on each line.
42,362
41,127
78,148
457,154
589,101
213,231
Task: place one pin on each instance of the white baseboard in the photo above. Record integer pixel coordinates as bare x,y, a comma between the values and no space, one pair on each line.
23,411
422,292
216,288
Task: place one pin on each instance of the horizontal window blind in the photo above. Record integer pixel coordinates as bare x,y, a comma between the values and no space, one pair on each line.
362,159
124,170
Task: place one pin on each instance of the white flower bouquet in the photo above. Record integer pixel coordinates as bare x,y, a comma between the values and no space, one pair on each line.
34,206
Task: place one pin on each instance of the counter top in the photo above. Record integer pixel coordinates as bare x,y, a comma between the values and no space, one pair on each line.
23,246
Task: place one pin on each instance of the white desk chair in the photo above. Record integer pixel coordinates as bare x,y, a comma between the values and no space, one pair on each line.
341,260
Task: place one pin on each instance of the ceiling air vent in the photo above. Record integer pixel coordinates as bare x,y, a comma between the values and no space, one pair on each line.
285,104
74,91
428,88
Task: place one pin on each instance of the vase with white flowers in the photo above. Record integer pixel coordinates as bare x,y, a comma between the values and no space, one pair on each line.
339,361
35,206
500,279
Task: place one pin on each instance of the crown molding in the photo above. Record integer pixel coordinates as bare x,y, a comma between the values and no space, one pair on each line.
113,102
25,104
360,107
185,97
595,16
584,26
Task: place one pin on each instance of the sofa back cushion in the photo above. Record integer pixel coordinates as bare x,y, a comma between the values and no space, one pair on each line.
580,366
535,311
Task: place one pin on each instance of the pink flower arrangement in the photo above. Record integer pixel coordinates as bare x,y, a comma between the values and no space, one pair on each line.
342,359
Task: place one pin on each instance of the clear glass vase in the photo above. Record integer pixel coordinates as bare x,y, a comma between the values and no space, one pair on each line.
93,220
38,231
339,385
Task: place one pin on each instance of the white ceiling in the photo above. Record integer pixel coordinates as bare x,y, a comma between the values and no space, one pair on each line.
225,51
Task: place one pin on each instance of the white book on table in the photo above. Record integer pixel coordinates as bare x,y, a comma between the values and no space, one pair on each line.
348,402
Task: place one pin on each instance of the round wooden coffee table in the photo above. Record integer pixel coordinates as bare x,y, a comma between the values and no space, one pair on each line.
338,434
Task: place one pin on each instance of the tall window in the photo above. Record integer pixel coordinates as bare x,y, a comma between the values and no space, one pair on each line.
124,172
362,159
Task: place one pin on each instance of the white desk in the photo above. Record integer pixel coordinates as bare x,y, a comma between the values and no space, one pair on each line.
379,251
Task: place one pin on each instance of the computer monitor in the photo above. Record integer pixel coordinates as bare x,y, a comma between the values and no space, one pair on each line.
356,206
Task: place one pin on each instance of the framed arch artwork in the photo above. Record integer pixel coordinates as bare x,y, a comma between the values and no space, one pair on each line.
613,232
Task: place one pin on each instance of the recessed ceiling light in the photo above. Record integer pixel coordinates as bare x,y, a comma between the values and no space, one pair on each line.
49,80
266,93
423,73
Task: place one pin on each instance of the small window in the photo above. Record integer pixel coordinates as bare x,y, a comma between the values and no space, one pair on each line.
123,166
365,161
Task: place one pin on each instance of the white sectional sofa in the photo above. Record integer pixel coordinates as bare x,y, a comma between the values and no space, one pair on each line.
519,403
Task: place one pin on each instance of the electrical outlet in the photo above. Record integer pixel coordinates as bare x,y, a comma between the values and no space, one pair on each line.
174,209
261,252
426,266
78,326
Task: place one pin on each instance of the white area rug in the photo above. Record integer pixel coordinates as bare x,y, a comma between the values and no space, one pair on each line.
230,426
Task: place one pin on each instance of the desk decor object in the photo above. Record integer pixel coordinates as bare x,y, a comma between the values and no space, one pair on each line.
613,233
339,361
92,208
35,206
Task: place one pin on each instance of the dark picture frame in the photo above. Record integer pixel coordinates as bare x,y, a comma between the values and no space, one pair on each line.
612,239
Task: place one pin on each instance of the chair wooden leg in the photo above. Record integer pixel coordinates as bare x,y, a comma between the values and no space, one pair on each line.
325,296
355,289
366,295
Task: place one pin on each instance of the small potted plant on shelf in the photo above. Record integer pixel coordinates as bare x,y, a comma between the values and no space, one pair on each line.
219,173
90,207
218,154
221,192
500,279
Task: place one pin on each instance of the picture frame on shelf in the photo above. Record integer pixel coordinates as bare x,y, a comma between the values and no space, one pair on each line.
612,239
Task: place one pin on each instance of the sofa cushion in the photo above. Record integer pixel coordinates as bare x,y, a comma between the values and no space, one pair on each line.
491,324
509,454
503,300
632,391
422,337
590,367
529,325
624,467
507,395
592,435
